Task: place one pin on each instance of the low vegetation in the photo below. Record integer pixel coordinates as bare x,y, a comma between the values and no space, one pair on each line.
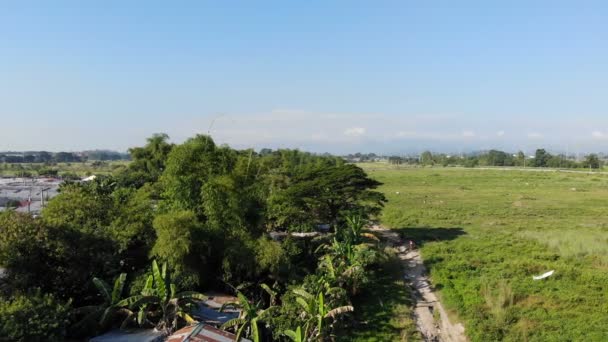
484,234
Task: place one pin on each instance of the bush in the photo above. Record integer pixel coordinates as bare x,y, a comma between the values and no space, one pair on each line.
69,176
269,255
48,172
35,317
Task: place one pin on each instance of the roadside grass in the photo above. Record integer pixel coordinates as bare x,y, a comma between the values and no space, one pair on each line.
485,233
383,312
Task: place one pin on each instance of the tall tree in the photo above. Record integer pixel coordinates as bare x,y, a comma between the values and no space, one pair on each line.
148,162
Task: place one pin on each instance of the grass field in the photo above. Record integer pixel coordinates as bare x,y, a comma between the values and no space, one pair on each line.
485,233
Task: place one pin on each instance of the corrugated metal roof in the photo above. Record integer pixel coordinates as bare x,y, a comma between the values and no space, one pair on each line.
203,333
148,335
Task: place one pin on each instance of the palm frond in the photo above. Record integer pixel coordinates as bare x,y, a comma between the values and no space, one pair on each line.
239,332
293,335
119,284
128,320
144,301
104,289
244,301
159,280
229,304
303,293
149,283
233,322
129,301
186,317
270,292
339,311
370,236
303,304
191,295
107,315
255,333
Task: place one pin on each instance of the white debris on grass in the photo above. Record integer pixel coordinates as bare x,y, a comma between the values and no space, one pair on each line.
543,276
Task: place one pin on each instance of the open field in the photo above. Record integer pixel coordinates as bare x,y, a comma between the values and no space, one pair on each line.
485,233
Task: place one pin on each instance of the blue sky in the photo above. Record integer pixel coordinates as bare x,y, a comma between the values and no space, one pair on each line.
338,76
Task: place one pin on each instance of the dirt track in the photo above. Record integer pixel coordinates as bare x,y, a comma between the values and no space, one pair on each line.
428,307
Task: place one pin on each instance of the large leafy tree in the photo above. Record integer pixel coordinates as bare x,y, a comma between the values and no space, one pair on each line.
324,194
183,242
25,244
148,162
189,166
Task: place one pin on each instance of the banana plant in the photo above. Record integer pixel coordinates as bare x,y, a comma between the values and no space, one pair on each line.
316,312
251,315
159,298
296,336
355,234
113,304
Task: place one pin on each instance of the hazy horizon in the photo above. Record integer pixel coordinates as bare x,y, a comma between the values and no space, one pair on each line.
384,77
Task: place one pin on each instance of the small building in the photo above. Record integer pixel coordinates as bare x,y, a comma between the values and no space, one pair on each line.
203,333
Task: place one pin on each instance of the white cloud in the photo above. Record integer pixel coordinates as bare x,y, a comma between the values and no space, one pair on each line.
535,135
406,134
354,132
468,134
598,135
500,133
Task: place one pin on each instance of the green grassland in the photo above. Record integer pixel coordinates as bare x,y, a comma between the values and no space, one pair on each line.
485,233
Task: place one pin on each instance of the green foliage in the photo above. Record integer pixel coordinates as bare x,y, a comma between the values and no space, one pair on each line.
148,162
592,161
175,243
131,223
250,319
205,210
319,315
385,307
33,317
189,166
296,336
269,256
541,158
102,315
24,246
323,195
484,234
47,172
160,302
426,158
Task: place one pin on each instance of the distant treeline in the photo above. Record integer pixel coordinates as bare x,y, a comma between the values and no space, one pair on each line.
60,157
541,158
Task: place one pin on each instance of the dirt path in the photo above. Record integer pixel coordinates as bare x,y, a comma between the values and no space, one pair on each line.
428,306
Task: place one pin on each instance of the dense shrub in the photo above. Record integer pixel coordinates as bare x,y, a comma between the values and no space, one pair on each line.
34,317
